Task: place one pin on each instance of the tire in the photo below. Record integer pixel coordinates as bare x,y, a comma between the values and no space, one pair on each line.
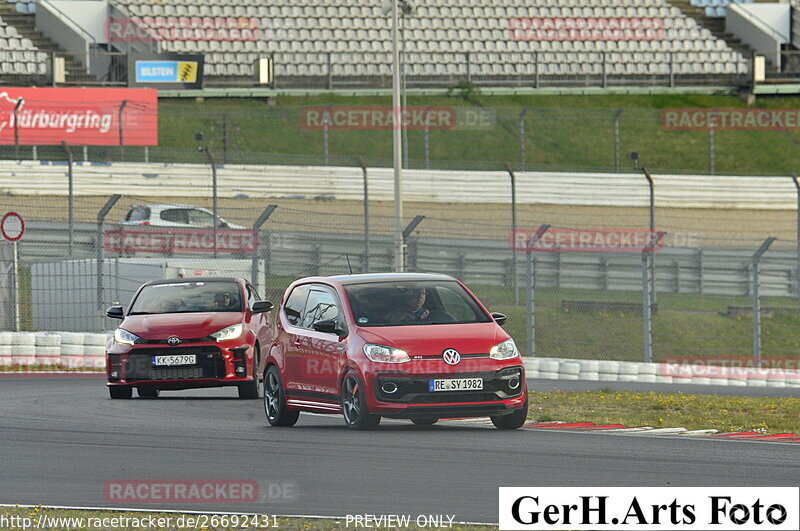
120,392
275,401
425,421
512,421
148,392
354,404
251,390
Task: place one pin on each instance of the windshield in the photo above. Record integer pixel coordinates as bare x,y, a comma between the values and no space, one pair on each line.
413,303
184,297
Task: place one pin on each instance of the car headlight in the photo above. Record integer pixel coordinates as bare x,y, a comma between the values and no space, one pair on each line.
124,337
504,351
386,354
230,332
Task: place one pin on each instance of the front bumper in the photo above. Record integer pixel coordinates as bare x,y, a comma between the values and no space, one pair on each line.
503,391
215,366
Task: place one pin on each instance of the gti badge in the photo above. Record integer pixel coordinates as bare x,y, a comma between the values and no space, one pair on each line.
173,340
451,356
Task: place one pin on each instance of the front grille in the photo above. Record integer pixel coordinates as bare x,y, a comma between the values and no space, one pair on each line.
210,364
415,389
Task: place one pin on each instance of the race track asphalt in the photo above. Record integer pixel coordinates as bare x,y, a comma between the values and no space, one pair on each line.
62,439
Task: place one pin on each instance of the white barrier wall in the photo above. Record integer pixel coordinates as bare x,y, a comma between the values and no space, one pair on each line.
163,181
72,350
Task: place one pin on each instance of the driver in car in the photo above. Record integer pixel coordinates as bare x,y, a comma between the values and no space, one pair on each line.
224,301
411,305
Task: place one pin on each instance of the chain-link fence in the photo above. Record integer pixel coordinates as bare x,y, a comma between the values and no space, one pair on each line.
462,133
587,293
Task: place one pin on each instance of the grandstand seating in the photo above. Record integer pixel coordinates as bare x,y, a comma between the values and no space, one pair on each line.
301,34
24,7
18,55
716,8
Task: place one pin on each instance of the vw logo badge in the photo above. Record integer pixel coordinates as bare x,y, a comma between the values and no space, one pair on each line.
451,356
173,340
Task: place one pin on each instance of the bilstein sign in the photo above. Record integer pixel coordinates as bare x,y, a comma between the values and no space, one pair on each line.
585,240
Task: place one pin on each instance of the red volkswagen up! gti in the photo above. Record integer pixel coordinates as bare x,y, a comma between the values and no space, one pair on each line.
415,346
182,333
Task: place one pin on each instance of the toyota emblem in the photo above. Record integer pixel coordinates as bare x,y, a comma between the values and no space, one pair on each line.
173,340
451,356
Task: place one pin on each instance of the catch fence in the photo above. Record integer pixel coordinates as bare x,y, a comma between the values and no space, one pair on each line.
584,303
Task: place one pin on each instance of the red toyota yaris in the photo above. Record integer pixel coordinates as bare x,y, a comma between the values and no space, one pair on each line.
182,334
415,346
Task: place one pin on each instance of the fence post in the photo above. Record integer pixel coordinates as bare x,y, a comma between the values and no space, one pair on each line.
101,218
647,302
366,214
469,68
522,138
330,72
797,233
407,232
514,224
257,243
530,273
646,317
426,138
616,139
711,145
536,69
71,196
605,77
671,71
757,302
325,140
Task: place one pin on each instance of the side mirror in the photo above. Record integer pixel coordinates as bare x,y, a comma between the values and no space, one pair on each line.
327,326
115,312
499,318
262,306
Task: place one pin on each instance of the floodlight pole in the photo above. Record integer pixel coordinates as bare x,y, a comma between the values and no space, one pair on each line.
397,112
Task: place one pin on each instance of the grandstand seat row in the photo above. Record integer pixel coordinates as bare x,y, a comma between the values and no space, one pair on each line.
357,32
718,3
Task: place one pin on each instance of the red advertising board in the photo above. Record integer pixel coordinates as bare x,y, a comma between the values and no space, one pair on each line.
79,116
585,240
179,241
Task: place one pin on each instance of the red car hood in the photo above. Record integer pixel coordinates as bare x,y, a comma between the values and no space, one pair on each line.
183,325
473,338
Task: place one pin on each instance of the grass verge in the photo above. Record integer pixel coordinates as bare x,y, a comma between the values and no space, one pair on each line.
669,410
562,132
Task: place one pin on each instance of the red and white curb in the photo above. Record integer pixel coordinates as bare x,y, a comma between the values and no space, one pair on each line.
620,429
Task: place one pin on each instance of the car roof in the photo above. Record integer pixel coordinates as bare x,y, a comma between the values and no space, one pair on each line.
369,278
195,279
162,206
